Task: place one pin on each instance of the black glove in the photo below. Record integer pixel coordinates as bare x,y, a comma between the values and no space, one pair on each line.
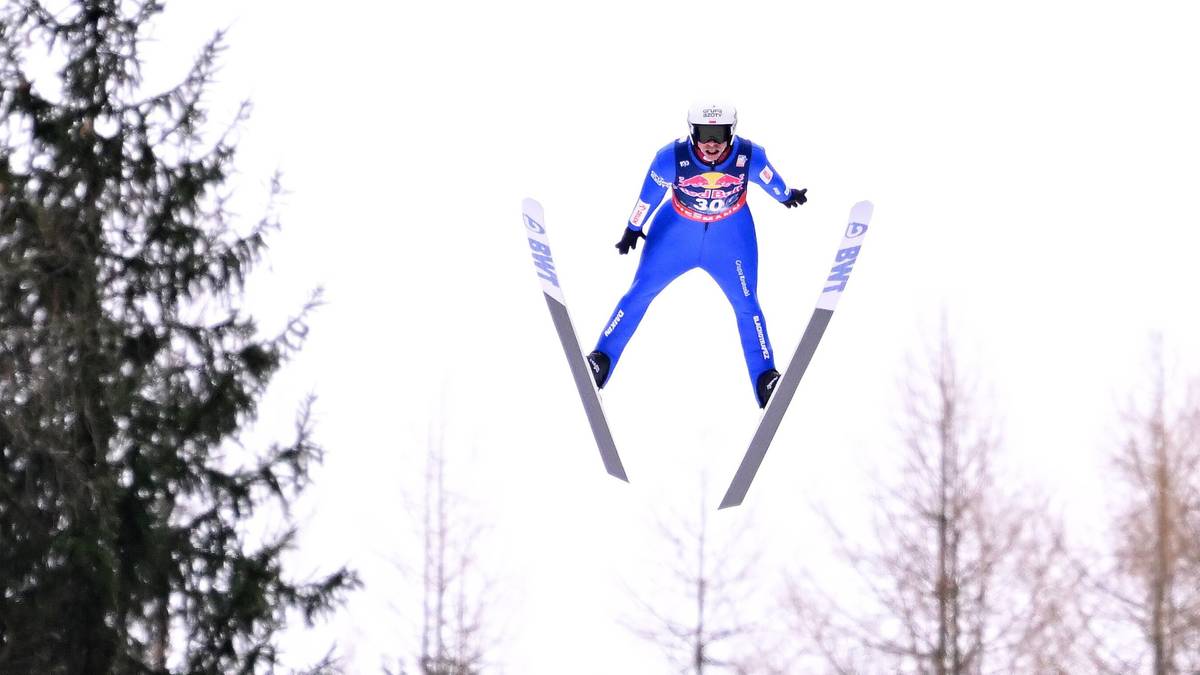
629,240
796,198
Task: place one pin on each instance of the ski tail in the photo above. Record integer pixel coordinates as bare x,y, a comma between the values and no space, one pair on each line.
835,284
543,262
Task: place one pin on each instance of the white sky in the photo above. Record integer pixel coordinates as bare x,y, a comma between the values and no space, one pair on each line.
1032,164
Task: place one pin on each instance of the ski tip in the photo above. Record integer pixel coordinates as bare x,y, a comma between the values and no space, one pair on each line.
613,465
861,212
529,205
734,495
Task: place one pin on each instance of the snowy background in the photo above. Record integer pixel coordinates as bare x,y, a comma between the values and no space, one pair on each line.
1032,164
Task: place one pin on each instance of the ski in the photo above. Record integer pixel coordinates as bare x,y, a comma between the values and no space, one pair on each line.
785,389
543,262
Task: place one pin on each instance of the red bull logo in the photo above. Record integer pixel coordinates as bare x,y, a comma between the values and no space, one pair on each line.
711,185
711,180
699,181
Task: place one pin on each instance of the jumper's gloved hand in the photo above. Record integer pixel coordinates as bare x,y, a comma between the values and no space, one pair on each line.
629,240
796,198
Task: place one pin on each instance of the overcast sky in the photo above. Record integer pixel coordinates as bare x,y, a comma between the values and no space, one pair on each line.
1032,164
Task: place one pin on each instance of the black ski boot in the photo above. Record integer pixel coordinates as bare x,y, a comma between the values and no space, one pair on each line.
599,363
766,386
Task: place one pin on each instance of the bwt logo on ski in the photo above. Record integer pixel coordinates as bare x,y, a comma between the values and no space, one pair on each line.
840,273
542,259
855,230
534,226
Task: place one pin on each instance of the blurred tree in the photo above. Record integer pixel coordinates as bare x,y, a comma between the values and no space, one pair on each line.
452,615
124,375
967,576
455,591
697,615
1153,589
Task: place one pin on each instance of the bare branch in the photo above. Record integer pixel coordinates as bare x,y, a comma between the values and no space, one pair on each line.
965,576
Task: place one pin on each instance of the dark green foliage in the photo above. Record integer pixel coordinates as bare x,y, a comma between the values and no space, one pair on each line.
121,515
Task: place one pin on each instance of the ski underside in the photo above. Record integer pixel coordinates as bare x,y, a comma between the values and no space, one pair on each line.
785,389
543,262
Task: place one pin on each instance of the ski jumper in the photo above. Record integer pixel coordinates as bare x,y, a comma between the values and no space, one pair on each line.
707,225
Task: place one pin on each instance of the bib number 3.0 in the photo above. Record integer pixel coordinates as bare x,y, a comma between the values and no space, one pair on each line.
710,205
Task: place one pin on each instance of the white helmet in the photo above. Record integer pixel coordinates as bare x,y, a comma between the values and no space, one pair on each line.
712,120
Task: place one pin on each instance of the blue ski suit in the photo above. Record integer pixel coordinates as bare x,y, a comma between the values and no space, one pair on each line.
707,225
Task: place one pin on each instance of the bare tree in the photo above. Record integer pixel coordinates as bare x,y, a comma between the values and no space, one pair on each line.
965,576
701,620
455,634
1154,586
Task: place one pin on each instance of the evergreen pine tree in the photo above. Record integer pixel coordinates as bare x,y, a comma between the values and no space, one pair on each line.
122,510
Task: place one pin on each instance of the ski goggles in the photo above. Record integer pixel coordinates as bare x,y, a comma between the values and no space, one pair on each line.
711,133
